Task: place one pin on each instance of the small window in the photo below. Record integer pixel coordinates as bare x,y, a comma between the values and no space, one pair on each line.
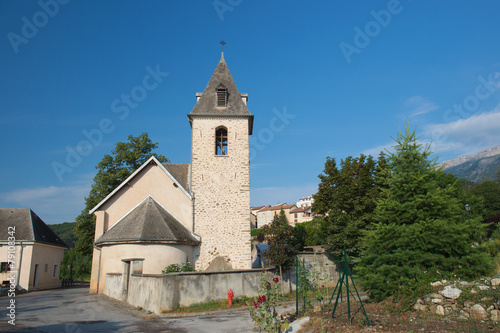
5,267
221,95
55,271
46,268
221,141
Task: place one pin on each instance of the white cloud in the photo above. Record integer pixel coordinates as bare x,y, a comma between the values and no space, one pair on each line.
53,204
273,195
419,105
466,136
375,151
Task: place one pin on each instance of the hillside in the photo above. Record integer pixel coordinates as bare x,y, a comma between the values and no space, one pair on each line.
65,231
475,167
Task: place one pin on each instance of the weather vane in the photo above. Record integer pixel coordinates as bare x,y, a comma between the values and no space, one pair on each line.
222,43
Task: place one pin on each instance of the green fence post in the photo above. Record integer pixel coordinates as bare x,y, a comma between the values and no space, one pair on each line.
346,272
297,286
304,268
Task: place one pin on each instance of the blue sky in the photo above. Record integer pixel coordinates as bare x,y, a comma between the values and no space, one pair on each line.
324,78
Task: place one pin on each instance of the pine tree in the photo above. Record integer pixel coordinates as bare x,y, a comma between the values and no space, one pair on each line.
113,170
346,197
421,231
281,251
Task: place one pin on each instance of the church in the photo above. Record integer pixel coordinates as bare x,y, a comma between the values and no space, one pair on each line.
165,214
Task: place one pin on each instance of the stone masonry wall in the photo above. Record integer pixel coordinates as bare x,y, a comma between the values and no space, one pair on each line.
221,186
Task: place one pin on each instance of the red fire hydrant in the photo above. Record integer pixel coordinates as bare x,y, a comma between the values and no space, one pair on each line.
230,296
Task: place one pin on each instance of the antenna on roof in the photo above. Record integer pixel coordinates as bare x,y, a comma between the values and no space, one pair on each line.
222,43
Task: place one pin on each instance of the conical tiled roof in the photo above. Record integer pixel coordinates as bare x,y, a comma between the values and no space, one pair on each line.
207,103
149,222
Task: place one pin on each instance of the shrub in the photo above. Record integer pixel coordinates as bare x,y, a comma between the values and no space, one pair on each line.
177,268
255,232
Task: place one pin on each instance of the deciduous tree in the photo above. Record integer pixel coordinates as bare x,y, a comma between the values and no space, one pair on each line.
112,171
346,199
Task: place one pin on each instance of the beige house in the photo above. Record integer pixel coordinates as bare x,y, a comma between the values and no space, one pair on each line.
253,216
35,251
167,214
301,214
266,215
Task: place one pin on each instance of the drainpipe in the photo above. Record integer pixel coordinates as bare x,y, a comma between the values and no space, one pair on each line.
20,263
192,195
98,268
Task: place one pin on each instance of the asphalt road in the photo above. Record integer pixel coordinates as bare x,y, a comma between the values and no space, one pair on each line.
73,310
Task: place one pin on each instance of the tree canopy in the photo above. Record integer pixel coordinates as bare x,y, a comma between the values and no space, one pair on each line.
113,169
346,198
421,230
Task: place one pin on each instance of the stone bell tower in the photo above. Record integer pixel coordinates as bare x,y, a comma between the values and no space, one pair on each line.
220,171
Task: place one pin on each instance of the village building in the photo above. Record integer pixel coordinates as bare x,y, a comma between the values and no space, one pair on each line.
34,250
301,214
253,216
305,201
266,215
167,214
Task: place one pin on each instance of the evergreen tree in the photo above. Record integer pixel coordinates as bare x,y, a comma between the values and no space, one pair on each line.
346,197
299,236
113,170
421,232
281,251
490,191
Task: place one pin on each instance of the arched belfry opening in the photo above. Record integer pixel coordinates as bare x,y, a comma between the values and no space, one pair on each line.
221,141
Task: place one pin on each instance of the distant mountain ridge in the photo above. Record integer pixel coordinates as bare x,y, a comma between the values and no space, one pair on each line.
475,167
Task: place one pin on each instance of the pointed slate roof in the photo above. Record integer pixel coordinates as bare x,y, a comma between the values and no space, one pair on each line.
28,227
206,105
148,222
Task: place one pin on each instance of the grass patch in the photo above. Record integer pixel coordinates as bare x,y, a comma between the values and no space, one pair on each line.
214,305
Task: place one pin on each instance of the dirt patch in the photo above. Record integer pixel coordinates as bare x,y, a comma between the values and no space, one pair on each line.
382,320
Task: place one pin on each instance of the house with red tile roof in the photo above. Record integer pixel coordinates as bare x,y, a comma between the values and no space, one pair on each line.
301,214
266,215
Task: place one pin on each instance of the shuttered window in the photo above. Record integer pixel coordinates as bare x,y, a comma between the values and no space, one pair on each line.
221,95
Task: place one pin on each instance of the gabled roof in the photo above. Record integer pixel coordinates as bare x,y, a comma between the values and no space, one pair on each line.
179,169
278,207
148,222
207,105
28,227
180,172
300,209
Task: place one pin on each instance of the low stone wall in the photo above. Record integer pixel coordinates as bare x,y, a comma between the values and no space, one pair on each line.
162,293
